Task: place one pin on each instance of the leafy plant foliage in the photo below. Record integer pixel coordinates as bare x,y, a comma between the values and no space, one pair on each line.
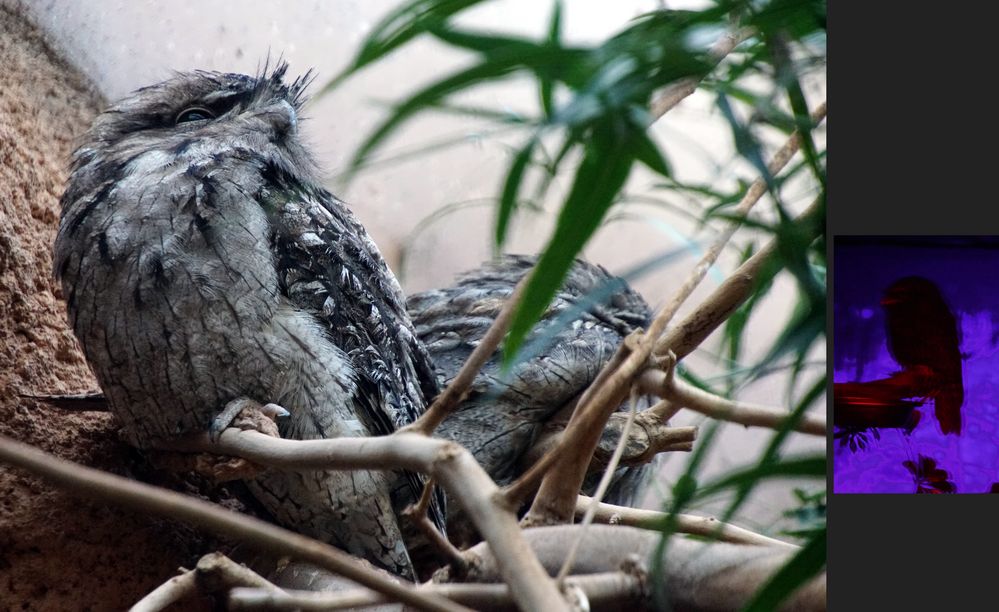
592,124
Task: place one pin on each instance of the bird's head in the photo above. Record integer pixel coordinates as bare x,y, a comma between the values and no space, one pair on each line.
911,290
194,115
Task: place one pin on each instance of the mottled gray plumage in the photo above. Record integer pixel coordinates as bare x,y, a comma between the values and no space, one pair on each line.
202,262
503,415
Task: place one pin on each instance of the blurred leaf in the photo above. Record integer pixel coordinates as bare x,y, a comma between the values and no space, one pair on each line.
802,567
810,515
500,64
511,187
798,18
803,467
649,154
770,456
606,163
745,143
802,118
399,27
546,84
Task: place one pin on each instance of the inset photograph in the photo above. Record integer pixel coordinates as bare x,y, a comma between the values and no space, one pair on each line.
916,357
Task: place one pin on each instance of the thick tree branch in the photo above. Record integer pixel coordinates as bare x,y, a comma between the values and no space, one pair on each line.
214,573
447,462
146,498
608,589
698,575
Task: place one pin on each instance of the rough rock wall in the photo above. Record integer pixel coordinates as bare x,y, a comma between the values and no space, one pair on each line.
57,552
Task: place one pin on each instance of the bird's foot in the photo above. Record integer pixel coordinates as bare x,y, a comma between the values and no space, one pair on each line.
245,414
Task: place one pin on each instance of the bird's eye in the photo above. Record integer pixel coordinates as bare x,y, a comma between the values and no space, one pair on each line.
194,113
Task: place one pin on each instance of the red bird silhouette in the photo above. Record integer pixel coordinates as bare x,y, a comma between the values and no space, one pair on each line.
923,338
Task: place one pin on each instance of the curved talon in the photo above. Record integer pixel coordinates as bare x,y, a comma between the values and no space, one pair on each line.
275,412
225,418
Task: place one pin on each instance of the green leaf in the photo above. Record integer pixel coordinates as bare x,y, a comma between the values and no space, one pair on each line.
805,467
511,187
498,66
545,82
399,27
745,143
803,566
649,154
485,43
606,163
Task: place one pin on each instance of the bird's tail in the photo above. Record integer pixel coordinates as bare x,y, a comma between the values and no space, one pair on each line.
947,401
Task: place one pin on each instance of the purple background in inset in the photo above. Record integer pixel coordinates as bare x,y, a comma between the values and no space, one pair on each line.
966,269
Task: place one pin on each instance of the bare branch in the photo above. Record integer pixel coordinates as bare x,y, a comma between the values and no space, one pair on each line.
610,589
146,498
449,463
687,335
744,413
418,514
214,573
705,526
698,575
648,438
170,592
675,93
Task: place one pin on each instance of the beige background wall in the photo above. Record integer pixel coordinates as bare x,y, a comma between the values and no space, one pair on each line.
122,45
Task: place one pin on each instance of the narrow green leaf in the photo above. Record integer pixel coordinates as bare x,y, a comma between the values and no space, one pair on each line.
745,143
399,27
601,173
546,83
649,154
803,566
428,98
511,187
806,467
482,42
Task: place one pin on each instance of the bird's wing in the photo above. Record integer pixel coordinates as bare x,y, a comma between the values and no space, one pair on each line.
330,267
502,413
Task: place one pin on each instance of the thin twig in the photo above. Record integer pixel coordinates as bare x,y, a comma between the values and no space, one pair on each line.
706,526
418,514
456,391
605,482
744,413
675,93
